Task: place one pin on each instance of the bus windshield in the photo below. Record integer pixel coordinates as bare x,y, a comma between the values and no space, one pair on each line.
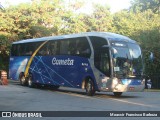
127,61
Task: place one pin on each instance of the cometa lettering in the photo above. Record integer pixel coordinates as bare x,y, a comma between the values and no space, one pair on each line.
68,61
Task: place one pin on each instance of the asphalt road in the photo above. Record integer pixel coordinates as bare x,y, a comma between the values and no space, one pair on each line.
19,98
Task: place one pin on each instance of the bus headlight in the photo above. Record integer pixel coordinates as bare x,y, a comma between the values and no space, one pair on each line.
126,81
115,81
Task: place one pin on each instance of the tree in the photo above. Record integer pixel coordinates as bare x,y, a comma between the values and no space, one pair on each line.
100,19
143,5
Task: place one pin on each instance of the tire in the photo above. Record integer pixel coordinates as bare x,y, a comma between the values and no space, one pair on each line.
90,91
117,94
30,81
22,80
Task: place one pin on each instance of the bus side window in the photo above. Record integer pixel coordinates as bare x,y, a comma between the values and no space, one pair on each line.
43,51
83,48
71,47
28,49
64,47
53,47
104,62
14,50
20,50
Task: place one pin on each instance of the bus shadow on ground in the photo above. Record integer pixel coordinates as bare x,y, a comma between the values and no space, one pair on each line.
83,93
111,95
76,91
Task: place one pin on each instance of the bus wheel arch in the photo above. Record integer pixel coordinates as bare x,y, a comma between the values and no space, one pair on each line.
89,85
22,79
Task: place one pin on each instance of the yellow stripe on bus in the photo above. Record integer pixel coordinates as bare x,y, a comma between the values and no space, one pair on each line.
30,60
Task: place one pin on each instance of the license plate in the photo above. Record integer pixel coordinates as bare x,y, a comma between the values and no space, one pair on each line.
131,88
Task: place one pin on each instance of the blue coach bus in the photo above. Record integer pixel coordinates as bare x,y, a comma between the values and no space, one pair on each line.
95,61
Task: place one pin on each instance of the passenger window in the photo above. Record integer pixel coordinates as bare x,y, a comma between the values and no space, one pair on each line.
72,47
14,50
53,47
83,48
64,47
44,50
75,47
28,49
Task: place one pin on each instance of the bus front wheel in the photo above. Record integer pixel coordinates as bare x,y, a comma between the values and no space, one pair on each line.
90,88
117,94
22,79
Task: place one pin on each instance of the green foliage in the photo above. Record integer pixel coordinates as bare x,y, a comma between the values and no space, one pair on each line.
143,5
101,19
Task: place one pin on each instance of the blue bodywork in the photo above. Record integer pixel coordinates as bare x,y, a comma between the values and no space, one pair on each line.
67,71
16,66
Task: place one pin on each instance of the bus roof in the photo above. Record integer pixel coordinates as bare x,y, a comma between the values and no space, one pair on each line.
108,35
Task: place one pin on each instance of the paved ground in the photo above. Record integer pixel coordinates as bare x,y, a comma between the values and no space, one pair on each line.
18,98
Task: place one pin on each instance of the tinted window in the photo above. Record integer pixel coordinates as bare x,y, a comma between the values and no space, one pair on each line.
64,47
53,47
75,47
82,47
43,50
26,49
14,51
98,42
104,61
101,55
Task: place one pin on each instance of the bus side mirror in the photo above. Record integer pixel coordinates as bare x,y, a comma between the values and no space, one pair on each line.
151,57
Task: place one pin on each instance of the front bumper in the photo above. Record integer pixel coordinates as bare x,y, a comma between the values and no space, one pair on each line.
128,88
125,88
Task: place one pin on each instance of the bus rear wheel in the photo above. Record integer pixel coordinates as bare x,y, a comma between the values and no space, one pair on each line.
117,94
90,88
30,82
22,79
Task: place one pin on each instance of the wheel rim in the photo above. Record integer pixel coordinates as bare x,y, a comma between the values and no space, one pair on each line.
89,86
30,82
22,80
